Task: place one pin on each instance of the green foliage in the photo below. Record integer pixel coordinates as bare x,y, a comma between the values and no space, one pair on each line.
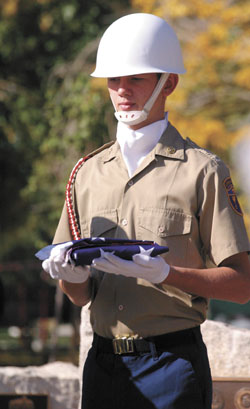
45,33
49,114
75,126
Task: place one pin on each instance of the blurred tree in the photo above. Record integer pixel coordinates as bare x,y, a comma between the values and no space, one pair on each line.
49,114
211,104
215,92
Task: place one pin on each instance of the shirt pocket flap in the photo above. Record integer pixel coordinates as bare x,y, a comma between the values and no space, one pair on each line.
100,224
165,223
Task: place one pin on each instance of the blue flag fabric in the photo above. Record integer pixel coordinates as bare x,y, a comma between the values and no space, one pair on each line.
84,251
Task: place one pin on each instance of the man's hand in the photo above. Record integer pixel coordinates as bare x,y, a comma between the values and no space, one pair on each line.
61,267
153,269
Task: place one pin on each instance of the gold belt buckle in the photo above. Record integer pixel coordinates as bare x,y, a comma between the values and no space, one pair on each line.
123,345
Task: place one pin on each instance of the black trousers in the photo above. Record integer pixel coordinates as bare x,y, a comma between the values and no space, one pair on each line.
174,376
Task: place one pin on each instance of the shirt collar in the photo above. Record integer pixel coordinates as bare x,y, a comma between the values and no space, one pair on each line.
171,145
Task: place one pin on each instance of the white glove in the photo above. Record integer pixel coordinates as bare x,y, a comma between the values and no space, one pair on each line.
153,269
60,266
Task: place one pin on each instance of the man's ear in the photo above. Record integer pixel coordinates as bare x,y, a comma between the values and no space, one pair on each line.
171,84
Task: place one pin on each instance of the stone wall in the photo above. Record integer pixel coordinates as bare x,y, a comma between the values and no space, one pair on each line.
228,347
228,351
58,380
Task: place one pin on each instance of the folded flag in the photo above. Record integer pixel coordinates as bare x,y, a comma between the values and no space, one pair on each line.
84,251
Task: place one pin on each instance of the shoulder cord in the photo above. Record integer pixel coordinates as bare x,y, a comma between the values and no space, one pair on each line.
73,221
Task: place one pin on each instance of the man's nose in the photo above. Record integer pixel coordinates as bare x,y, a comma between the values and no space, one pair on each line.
124,88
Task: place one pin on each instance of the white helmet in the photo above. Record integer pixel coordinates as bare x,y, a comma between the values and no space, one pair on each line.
138,43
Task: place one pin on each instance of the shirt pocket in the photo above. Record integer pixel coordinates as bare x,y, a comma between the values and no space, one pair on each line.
167,227
103,224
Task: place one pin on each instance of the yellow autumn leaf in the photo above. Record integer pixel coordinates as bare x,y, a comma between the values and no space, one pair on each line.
236,14
218,32
43,1
147,6
242,77
46,22
178,99
9,7
98,83
209,9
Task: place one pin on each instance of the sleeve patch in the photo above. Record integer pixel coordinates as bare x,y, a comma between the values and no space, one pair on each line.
228,184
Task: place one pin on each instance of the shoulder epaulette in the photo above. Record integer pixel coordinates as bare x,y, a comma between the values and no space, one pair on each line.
204,151
73,222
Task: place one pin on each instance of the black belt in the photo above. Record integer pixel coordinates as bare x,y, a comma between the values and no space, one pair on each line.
130,345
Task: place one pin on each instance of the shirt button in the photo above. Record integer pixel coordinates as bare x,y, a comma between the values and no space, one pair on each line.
161,229
130,183
171,150
124,222
120,307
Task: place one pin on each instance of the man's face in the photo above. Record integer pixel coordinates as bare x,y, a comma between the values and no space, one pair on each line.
130,93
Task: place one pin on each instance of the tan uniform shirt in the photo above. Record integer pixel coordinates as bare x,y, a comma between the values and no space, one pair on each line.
180,196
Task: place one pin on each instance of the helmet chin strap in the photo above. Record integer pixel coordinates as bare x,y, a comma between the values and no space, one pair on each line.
136,117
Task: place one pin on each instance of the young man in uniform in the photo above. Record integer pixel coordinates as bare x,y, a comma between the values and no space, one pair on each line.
150,184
